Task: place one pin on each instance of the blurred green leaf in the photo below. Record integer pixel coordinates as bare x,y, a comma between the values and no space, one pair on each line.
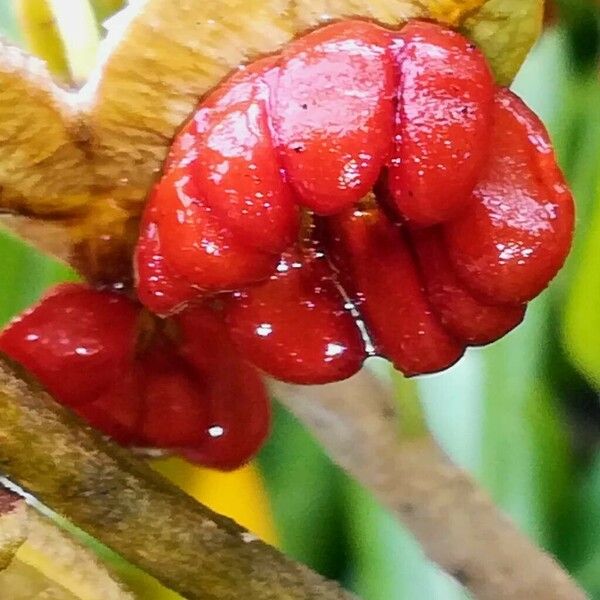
506,30
529,462
303,487
25,275
106,8
9,27
454,404
387,563
512,367
586,529
413,423
582,314
582,20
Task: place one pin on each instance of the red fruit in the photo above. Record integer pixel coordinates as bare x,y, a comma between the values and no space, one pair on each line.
75,341
445,101
197,245
464,316
379,273
172,385
509,245
333,113
237,168
295,326
118,411
159,288
239,408
176,407
180,385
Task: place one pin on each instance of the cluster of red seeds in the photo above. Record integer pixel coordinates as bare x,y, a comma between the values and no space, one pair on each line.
365,167
178,384
366,191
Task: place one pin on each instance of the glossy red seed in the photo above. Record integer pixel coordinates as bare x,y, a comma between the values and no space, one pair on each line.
239,408
333,113
295,326
379,273
118,411
176,405
180,385
158,286
445,98
510,244
237,169
75,341
467,318
196,244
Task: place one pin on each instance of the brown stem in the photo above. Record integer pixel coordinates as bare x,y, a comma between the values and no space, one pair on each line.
20,581
74,565
121,502
455,521
25,534
13,525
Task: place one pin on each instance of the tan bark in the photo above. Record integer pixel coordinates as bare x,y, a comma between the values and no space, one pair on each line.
117,499
454,520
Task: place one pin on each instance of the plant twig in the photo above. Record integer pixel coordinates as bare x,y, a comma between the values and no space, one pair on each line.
56,554
33,550
121,502
13,525
455,521
20,581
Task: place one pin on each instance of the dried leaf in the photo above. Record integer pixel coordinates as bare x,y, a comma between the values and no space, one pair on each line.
506,30
145,91
309,13
43,162
582,318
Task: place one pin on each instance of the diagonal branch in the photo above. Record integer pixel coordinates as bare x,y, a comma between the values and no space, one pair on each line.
28,540
57,554
20,581
13,525
50,237
120,501
455,521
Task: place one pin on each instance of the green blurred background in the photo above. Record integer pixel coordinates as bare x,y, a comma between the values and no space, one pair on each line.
523,415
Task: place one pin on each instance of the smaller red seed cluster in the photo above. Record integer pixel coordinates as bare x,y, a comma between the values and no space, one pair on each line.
365,191
178,384
362,176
